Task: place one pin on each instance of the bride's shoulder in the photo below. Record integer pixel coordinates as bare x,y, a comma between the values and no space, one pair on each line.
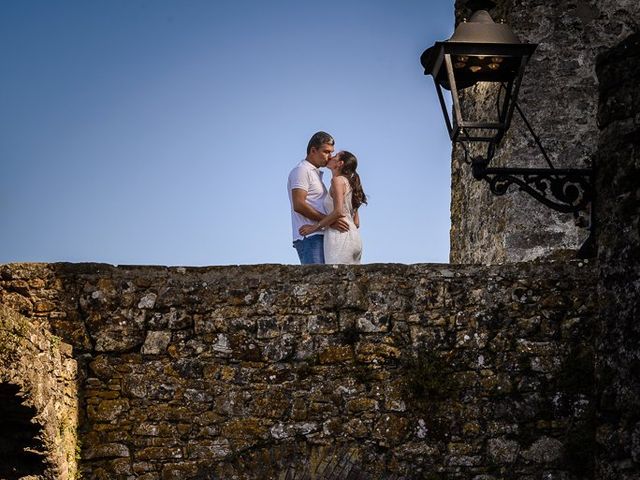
340,180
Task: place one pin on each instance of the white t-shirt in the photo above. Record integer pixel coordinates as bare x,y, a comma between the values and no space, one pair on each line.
308,178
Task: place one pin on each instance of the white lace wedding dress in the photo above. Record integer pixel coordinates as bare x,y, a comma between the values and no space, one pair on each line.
342,247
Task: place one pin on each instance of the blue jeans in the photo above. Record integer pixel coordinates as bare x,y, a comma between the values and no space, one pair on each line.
310,249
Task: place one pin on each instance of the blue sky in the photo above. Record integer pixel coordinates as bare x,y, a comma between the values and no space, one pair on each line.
162,132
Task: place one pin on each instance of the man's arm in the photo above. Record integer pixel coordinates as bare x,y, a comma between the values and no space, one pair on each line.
300,205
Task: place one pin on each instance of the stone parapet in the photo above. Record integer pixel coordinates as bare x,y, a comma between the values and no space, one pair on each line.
374,371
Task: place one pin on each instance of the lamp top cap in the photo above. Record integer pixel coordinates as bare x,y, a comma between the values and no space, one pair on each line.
481,16
482,29
474,5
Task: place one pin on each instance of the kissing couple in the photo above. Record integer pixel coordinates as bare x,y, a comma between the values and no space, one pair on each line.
325,222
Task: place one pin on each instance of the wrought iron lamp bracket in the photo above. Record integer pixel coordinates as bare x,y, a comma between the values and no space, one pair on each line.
566,190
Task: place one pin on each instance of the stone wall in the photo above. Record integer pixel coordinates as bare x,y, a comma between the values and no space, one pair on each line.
559,96
618,188
39,398
373,371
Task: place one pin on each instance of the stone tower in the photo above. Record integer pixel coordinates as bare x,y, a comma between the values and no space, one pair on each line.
559,96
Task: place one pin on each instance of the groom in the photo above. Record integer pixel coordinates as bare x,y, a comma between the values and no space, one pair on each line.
306,195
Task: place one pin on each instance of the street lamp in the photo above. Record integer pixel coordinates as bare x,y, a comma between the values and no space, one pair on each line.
482,52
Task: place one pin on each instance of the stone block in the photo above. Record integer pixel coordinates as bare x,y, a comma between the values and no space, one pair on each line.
119,466
322,324
336,354
391,430
281,430
280,349
376,352
156,342
107,450
372,323
108,410
244,432
214,450
358,405
158,453
503,450
544,450
148,301
179,471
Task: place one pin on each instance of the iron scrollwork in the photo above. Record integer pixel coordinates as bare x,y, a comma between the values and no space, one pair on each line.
564,190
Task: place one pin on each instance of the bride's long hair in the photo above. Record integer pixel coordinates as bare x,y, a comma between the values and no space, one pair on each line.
349,171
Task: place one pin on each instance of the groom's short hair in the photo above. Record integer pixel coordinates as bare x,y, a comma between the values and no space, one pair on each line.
318,139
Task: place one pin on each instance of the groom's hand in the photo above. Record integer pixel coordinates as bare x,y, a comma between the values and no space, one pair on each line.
307,229
341,225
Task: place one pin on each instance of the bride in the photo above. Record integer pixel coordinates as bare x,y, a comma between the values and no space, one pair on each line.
344,199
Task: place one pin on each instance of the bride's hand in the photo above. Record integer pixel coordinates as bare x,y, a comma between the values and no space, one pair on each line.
308,229
341,225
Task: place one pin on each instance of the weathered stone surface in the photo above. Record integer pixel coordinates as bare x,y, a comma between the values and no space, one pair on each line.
227,371
618,208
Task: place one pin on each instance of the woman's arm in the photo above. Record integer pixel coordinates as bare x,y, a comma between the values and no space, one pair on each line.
356,219
338,189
